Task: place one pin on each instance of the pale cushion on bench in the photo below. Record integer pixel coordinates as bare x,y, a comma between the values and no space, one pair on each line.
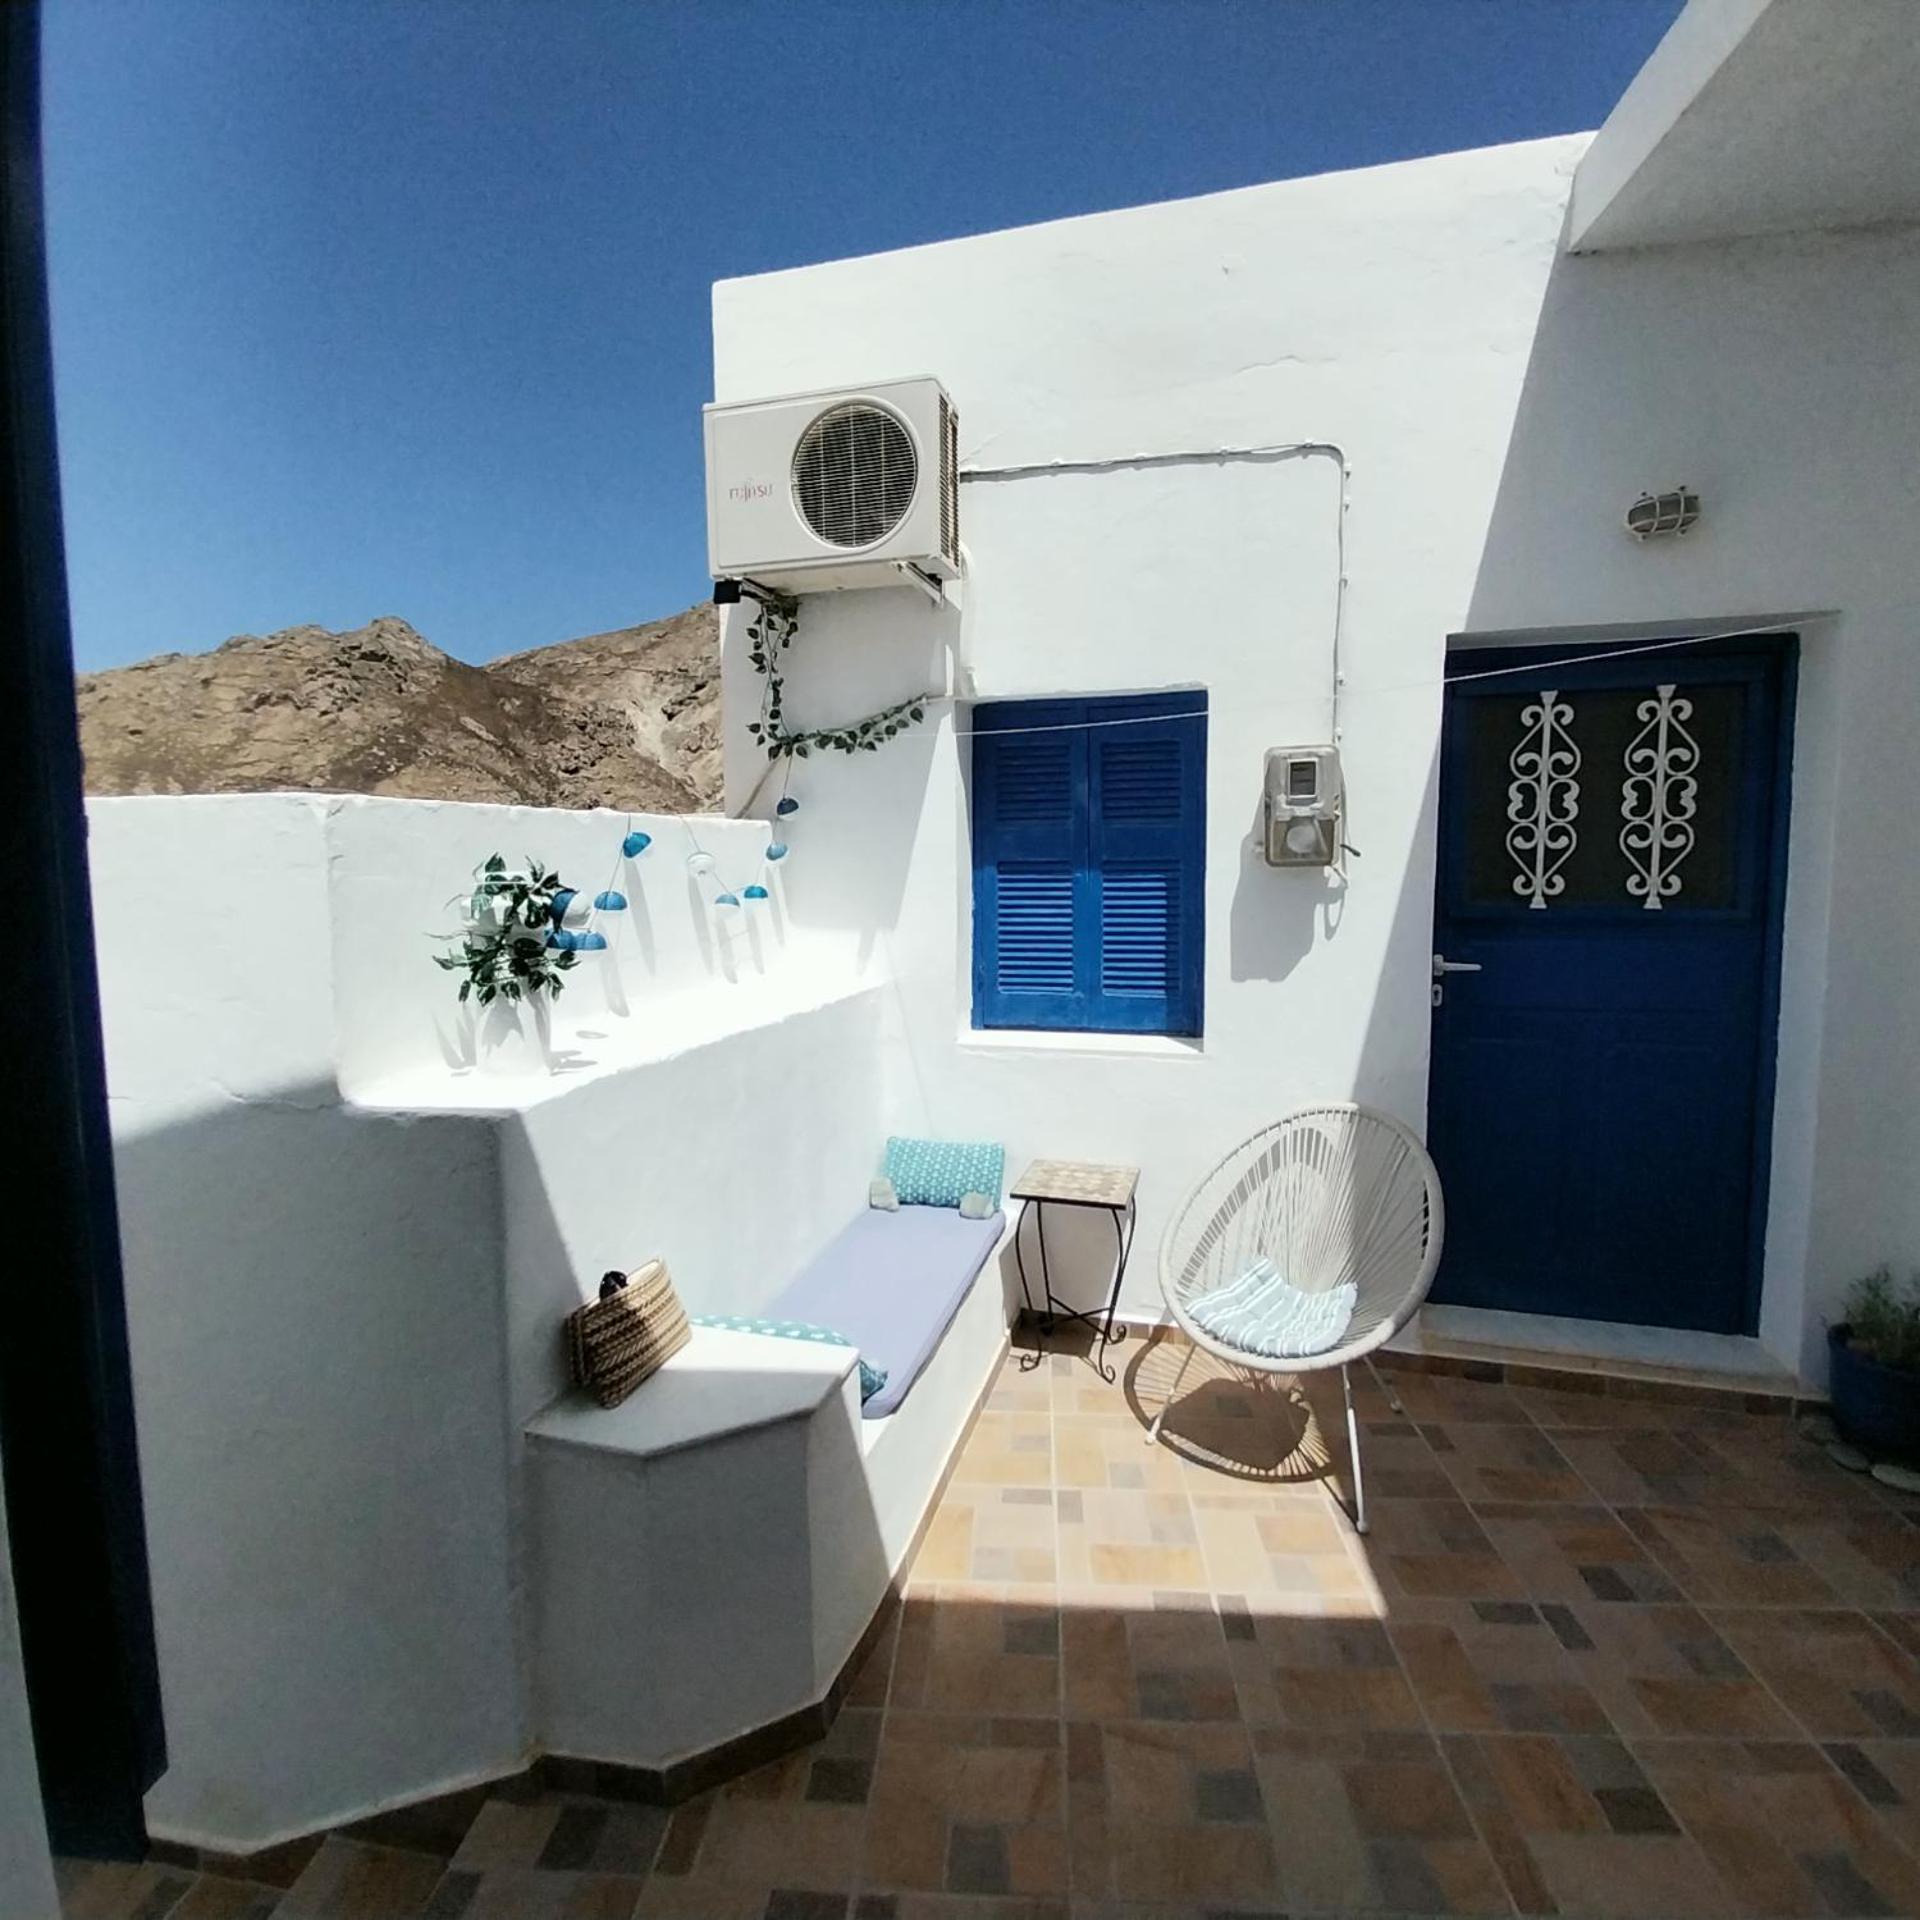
890,1282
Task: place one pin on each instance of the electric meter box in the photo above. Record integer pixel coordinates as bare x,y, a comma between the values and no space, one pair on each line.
1303,795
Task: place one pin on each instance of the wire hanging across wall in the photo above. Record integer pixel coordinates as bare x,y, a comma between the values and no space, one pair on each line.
585,937
1672,645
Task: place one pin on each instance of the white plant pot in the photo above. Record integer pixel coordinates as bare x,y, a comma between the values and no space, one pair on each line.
516,1037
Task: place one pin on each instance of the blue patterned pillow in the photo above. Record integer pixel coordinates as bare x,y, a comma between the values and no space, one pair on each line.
936,1173
872,1379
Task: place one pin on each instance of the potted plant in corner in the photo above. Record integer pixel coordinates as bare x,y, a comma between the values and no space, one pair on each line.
1874,1356
513,967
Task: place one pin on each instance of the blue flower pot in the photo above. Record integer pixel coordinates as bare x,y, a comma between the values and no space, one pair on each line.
1876,1407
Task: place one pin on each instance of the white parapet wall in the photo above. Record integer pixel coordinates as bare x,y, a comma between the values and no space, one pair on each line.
314,1305
349,1243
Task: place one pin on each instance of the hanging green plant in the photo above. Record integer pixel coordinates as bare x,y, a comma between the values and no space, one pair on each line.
770,632
503,949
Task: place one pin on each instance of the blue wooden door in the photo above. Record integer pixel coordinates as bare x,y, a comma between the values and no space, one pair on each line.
1611,866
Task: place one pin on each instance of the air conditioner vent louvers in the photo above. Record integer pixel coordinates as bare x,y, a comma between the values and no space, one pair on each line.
854,473
949,481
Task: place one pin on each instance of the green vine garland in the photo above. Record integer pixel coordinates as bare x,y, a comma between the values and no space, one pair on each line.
776,619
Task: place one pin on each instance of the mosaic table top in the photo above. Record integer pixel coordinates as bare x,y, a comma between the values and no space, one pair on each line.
1078,1182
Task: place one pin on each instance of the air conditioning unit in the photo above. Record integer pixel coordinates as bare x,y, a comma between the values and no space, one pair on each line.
854,488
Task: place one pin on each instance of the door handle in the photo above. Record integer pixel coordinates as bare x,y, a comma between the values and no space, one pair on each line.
1442,966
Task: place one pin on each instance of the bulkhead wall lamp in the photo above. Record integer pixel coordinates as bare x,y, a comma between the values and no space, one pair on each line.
1655,515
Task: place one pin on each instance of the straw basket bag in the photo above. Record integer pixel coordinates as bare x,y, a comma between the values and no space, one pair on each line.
615,1342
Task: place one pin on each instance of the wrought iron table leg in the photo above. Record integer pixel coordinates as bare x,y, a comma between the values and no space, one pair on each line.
1046,1268
1123,1251
1032,1357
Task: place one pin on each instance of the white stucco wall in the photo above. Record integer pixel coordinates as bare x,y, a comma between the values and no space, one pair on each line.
1392,311
26,1873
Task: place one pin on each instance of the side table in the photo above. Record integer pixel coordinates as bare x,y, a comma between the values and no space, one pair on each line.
1075,1183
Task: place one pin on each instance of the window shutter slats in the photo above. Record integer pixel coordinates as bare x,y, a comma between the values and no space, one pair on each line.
1036,930
1139,930
1029,843
1147,850
1139,778
1035,781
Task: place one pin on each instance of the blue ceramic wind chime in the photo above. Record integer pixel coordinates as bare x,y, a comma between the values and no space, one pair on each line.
586,938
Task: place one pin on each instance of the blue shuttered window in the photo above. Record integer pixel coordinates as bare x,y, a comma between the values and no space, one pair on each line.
1089,846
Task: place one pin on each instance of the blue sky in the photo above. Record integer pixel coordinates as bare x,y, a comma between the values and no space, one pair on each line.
401,306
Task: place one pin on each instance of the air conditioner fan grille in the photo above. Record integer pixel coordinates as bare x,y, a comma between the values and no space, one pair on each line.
854,473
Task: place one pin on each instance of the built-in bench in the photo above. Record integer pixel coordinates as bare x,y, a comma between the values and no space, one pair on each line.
891,1282
708,1555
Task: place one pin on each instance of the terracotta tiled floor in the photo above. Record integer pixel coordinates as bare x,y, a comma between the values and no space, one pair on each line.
1598,1657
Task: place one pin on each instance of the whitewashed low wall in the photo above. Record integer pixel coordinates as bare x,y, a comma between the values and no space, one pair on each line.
399,869
314,1305
348,1254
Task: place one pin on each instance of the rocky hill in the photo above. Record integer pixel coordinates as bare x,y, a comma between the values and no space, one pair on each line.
627,719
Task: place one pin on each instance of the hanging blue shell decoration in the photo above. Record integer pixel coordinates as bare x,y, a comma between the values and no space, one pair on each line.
777,850
557,908
567,941
787,805
635,844
754,892
727,900
610,902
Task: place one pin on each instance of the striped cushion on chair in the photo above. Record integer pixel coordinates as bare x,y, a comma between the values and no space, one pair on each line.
1263,1312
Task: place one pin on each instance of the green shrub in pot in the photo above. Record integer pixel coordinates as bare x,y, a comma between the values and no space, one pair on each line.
1874,1367
506,949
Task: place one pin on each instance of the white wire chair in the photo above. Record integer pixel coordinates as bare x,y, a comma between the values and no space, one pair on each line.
1330,1195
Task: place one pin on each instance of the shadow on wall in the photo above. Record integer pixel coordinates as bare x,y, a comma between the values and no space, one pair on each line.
323,1346
747,1566
1278,915
1391,1072
313,1302
853,836
1616,398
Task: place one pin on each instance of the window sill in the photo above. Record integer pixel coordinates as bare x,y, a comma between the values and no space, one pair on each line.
1131,1046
